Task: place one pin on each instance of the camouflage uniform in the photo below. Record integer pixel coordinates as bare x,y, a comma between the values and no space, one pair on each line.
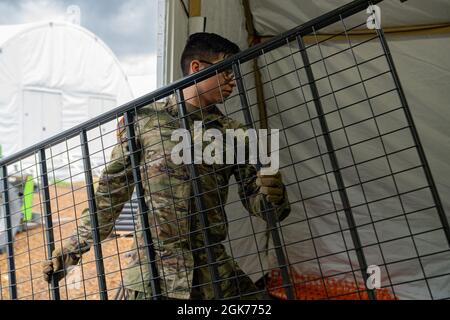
181,258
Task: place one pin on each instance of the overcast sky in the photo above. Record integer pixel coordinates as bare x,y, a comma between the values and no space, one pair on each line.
128,27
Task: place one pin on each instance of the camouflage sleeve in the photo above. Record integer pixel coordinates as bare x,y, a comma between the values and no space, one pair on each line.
167,191
251,198
167,184
115,187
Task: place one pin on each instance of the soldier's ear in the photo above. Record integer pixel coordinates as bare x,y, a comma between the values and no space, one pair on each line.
194,66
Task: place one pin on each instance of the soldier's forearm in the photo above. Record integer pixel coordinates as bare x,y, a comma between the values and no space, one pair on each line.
81,239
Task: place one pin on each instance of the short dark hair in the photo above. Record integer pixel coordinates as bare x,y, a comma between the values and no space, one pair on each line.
205,45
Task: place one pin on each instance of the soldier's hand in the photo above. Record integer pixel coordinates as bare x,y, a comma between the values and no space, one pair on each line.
271,186
58,265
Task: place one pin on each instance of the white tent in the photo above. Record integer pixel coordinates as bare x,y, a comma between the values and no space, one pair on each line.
53,76
419,42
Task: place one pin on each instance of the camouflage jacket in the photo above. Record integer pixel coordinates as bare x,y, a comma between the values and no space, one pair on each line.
168,194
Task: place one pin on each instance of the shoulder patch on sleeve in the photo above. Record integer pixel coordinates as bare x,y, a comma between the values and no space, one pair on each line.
121,129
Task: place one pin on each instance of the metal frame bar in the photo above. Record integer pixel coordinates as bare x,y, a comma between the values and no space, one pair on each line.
9,235
197,189
415,135
93,216
135,155
47,210
335,165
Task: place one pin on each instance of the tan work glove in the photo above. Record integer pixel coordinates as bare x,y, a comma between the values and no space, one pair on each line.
59,264
272,187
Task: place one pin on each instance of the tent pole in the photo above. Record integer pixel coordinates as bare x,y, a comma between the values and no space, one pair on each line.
268,210
47,213
254,39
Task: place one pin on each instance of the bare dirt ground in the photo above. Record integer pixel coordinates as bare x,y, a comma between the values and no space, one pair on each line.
67,203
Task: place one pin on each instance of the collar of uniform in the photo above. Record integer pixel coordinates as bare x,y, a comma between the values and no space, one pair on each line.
206,114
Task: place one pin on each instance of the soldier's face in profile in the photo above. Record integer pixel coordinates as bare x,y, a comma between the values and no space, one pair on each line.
216,88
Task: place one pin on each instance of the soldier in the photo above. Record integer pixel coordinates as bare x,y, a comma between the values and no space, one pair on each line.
178,239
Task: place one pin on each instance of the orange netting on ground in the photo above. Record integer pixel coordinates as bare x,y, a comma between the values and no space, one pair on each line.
310,287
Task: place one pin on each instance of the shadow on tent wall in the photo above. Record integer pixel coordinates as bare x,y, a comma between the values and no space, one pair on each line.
366,221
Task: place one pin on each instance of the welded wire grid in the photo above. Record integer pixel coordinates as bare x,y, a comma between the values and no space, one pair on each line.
358,185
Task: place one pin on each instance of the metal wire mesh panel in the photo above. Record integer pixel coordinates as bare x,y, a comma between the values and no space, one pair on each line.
357,203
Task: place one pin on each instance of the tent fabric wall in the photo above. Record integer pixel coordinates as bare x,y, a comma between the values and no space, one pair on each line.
423,68
273,17
424,71
54,59
428,126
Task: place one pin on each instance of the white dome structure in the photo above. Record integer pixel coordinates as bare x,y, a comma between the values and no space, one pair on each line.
53,76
